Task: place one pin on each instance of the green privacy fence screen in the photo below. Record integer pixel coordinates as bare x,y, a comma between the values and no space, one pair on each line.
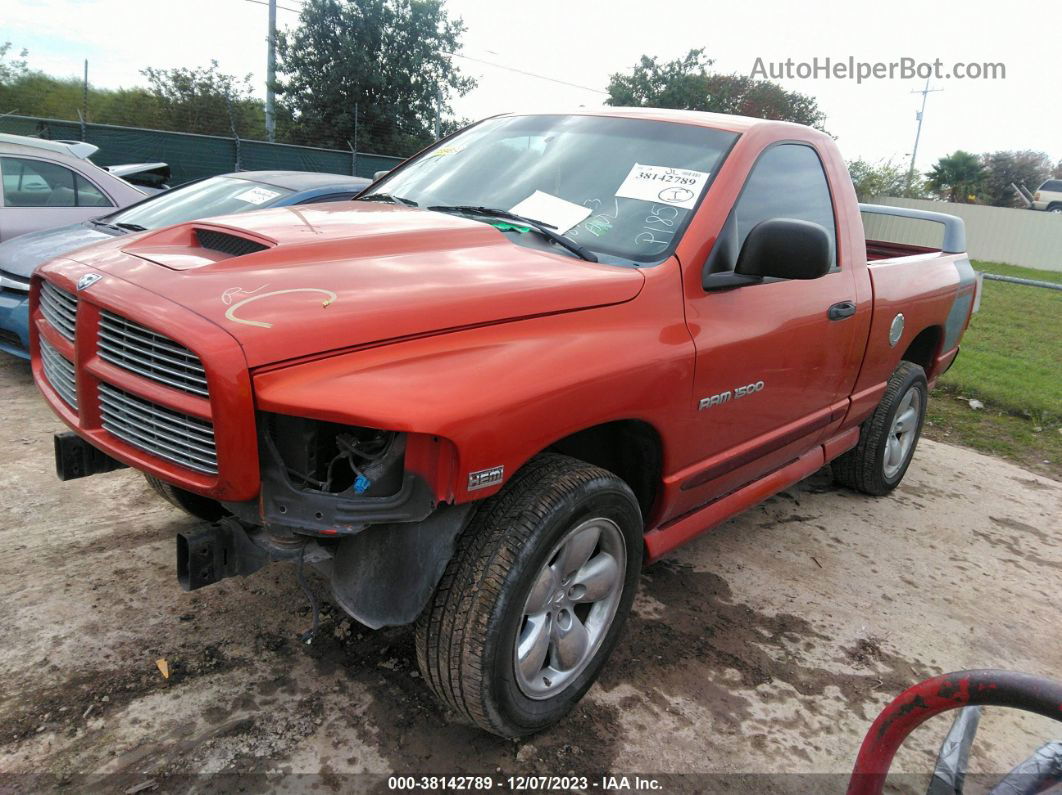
194,156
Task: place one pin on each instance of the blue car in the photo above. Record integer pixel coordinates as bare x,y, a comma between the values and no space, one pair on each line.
221,195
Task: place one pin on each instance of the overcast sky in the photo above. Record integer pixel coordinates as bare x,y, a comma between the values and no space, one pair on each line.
584,42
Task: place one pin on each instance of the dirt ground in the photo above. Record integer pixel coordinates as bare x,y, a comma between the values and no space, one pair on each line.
765,647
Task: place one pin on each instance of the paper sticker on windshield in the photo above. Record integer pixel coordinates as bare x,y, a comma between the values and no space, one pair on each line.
444,151
257,195
678,187
552,210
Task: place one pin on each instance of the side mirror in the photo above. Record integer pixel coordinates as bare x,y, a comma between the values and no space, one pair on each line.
380,174
785,248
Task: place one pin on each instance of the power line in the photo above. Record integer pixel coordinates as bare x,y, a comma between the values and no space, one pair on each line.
512,69
523,72
264,3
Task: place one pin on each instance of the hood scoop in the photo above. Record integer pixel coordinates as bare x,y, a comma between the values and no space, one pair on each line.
193,246
233,245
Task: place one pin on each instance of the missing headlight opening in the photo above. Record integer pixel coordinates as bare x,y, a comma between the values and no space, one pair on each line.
335,459
326,479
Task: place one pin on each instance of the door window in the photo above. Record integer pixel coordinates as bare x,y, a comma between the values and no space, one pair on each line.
38,183
88,195
787,181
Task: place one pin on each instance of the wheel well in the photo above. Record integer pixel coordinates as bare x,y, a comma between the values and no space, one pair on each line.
630,449
923,349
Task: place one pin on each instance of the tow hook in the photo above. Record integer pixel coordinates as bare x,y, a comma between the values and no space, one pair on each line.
221,550
76,458
231,549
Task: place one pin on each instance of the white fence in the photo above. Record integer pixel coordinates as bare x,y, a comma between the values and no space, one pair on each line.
993,234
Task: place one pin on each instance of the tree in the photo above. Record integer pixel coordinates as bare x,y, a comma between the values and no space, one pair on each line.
958,177
883,178
12,70
1058,171
687,84
387,57
205,100
1026,168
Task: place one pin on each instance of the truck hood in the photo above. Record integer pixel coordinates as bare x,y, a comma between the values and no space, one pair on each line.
290,282
21,255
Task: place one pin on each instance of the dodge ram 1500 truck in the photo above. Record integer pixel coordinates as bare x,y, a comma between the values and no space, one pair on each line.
545,350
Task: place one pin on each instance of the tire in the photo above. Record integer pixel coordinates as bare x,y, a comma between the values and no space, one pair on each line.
466,639
1055,208
200,507
865,467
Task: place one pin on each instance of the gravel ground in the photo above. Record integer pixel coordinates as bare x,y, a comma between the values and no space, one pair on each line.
765,647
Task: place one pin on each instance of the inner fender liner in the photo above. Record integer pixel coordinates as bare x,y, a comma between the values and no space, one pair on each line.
385,575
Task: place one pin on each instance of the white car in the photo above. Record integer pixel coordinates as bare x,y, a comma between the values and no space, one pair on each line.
53,183
1049,196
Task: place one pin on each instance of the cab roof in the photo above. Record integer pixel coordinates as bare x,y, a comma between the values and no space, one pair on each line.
719,121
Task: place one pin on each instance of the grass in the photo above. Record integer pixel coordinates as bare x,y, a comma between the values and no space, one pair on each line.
1011,361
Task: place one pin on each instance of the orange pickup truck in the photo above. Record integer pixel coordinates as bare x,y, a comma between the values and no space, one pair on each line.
542,352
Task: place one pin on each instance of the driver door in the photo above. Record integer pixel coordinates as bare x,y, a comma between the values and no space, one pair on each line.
772,367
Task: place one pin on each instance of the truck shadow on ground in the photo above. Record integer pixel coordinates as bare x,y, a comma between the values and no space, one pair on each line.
692,652
687,641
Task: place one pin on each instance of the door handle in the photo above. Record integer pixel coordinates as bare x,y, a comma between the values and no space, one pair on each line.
841,310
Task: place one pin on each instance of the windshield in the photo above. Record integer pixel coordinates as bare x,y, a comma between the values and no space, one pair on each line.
625,187
214,196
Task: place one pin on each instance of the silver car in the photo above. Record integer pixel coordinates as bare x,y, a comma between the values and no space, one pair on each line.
53,183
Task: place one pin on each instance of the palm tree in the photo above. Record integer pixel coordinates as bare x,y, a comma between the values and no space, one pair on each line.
959,176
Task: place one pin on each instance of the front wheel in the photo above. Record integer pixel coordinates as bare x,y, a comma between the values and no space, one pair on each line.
193,504
535,597
888,439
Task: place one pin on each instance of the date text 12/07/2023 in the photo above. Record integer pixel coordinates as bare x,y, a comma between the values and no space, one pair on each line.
540,783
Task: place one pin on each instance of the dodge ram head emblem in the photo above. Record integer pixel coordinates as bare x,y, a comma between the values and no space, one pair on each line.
88,280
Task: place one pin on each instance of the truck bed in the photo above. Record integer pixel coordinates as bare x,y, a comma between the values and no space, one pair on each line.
954,240
883,250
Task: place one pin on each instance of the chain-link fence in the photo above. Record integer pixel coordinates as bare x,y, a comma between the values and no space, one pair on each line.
193,156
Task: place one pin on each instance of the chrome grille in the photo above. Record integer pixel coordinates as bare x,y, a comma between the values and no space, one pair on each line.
145,352
59,308
59,372
180,438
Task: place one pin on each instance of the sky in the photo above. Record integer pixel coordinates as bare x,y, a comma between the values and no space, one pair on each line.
580,42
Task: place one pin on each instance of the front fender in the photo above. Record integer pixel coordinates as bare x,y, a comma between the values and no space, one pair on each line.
502,393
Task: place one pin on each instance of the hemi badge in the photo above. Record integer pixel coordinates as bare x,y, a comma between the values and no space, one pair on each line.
485,477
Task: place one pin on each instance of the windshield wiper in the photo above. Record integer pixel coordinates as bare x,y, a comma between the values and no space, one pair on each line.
131,227
546,230
387,197
104,224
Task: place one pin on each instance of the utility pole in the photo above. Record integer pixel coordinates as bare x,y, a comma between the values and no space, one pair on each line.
271,74
84,101
438,112
920,115
354,146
